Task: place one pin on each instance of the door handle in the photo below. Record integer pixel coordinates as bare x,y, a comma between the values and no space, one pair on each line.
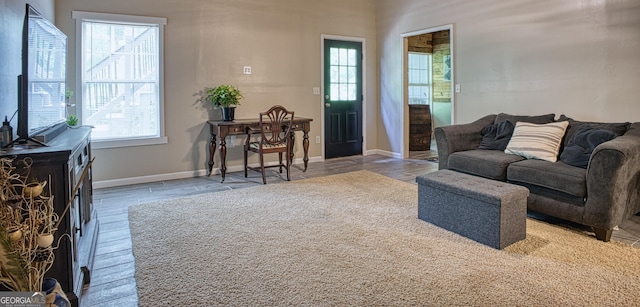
326,104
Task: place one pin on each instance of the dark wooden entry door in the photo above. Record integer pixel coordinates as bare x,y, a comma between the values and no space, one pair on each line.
343,98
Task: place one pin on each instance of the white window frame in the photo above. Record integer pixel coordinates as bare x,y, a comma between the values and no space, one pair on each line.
429,83
81,16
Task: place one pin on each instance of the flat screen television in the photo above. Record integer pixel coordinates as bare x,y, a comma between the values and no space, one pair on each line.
42,85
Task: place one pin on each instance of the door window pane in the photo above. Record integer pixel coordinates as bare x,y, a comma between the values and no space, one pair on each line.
334,58
351,75
343,70
351,60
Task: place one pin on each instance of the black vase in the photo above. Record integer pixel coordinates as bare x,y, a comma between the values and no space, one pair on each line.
228,113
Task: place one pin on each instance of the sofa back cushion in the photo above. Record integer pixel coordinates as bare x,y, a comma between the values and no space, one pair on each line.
534,141
536,119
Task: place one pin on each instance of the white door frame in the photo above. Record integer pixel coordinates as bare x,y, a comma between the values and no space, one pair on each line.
405,94
364,85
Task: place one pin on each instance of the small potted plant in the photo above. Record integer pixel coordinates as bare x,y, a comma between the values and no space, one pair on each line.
72,120
225,97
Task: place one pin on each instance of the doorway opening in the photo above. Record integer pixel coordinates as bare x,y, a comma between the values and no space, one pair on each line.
428,89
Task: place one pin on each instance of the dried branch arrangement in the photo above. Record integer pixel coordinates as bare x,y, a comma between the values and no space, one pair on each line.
27,226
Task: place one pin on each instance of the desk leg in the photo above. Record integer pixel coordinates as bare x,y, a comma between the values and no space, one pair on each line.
223,157
292,136
212,152
305,146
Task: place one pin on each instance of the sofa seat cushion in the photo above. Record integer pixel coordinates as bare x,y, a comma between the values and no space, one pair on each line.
490,164
552,175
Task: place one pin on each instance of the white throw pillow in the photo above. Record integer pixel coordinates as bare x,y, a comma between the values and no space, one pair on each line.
534,141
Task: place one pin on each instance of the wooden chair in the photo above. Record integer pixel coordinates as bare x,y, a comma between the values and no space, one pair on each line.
275,137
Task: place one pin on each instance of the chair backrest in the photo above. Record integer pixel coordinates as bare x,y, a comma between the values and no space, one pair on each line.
275,125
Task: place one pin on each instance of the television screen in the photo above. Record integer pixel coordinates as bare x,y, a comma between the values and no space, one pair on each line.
45,68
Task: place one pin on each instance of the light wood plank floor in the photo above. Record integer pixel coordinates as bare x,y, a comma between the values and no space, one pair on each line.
112,278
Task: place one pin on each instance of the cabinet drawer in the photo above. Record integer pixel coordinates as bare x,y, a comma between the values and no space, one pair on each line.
241,129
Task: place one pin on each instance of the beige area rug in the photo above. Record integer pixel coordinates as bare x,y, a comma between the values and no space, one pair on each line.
355,239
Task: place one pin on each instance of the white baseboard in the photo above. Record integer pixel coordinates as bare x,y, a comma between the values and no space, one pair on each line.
179,175
383,153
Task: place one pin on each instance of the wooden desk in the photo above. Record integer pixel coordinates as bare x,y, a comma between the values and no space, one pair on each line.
221,129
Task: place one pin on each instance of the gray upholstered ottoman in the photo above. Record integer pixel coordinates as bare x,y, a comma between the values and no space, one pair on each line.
488,211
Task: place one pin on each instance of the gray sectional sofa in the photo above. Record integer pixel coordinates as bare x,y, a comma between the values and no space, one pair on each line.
597,187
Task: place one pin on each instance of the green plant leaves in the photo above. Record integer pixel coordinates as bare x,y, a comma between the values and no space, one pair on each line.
224,96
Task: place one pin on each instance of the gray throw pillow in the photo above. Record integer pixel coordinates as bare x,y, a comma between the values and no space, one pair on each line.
496,136
617,128
582,143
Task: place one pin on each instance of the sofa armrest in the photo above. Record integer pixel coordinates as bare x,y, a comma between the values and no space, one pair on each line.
613,181
450,139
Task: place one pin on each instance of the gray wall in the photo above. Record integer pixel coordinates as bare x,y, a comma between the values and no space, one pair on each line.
207,43
520,56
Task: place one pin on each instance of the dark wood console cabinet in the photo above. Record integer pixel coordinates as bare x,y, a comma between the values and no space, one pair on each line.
62,163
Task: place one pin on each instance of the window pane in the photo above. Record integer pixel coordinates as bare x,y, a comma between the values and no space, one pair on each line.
344,92
343,57
351,74
121,92
343,74
334,56
421,76
414,74
335,76
335,92
351,57
351,92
